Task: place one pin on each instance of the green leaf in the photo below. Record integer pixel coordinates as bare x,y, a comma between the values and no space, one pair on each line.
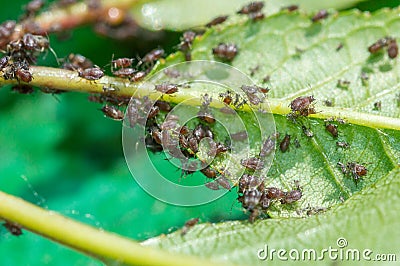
302,59
366,221
179,15
272,46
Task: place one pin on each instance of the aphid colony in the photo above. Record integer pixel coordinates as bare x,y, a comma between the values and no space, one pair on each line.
255,197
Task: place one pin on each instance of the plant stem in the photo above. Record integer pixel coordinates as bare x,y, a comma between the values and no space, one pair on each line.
89,240
70,81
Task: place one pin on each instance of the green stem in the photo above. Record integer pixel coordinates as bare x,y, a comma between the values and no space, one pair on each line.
89,240
70,81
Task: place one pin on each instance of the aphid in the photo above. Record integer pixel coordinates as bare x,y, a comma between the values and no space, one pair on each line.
250,182
138,76
252,163
297,143
251,198
172,73
343,84
307,131
156,135
216,21
393,49
357,170
154,110
7,28
202,131
167,88
226,97
274,193
91,73
328,103
267,147
164,106
153,56
302,105
331,128
112,112
253,7
364,78
170,123
292,196
188,225
239,136
206,117
225,51
14,228
379,45
212,185
3,62
33,6
124,72
339,47
378,105
342,144
77,61
23,74
251,93
223,182
284,145
187,40
266,79
193,144
290,8
122,62
209,172
23,89
256,16
322,14
227,110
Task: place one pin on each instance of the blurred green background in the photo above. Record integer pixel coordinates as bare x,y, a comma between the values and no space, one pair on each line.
62,154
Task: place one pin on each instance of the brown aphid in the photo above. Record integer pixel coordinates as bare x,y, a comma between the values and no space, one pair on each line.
202,131
223,182
216,21
274,193
251,199
378,105
292,196
343,84
227,110
77,61
226,97
156,135
379,45
153,56
290,8
3,62
253,7
124,72
357,170
209,172
225,51
320,15
252,163
163,106
307,131
172,73
266,79
138,76
35,42
249,182
212,185
112,112
33,6
94,73
23,89
342,144
393,49
206,117
256,16
24,75
331,128
193,144
251,94
153,112
339,47
239,136
188,225
167,88
328,103
122,62
14,228
284,145
267,147
302,105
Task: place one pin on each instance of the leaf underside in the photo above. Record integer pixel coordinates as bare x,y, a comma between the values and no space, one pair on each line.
302,59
